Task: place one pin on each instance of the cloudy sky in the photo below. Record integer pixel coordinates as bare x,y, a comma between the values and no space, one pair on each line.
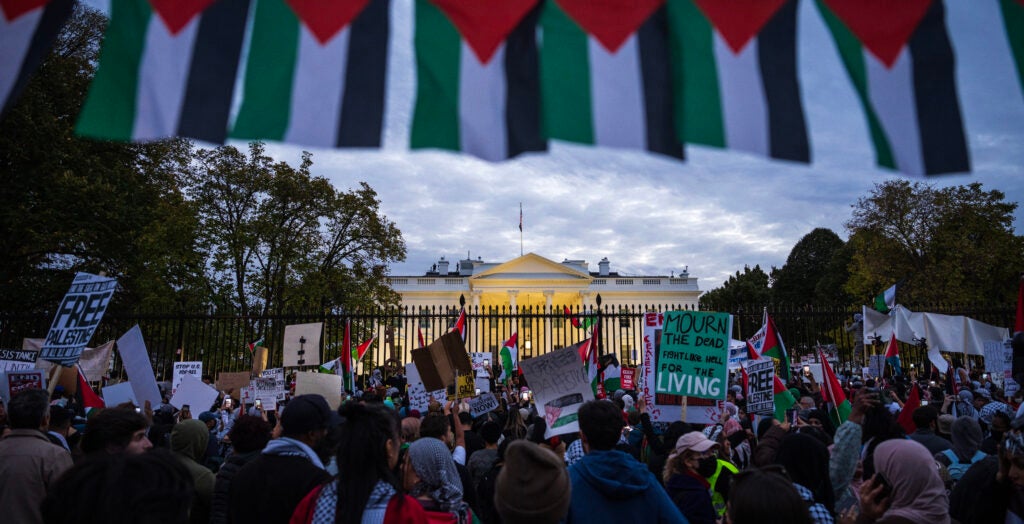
651,215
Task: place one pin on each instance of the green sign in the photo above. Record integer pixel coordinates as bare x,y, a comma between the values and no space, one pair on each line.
694,354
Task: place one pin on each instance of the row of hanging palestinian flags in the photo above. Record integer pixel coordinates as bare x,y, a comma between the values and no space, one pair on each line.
498,78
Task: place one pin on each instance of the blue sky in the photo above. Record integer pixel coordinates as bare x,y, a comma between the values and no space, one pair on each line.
651,215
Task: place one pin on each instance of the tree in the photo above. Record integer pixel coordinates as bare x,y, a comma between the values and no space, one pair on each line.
954,244
747,288
808,263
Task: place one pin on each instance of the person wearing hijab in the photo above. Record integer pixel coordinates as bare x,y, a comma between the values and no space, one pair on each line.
967,439
916,494
806,461
431,478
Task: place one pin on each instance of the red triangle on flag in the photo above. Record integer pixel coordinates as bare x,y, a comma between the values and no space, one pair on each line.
176,14
906,418
738,21
89,398
13,9
611,23
325,18
883,26
485,25
893,349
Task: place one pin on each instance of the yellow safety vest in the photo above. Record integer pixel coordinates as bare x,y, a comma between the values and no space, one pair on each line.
716,498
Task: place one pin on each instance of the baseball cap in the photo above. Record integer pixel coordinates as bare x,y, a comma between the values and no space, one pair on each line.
694,440
307,413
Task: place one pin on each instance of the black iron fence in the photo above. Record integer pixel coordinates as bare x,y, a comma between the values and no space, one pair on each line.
221,341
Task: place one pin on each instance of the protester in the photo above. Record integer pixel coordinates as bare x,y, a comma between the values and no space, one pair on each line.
954,462
116,430
482,461
29,462
993,489
926,420
473,440
429,475
686,473
996,431
609,485
188,442
60,428
533,488
764,497
248,436
806,460
410,430
917,494
270,487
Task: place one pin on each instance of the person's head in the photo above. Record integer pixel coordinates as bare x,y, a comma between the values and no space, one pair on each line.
249,434
533,486
209,419
430,471
600,425
806,460
373,429
917,489
806,402
966,436
466,420
944,425
151,487
693,453
981,397
116,430
926,417
60,420
1012,456
189,438
306,419
490,432
997,428
29,410
765,497
436,426
410,429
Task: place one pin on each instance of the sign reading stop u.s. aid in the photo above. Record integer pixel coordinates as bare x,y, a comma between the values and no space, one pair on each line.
694,353
77,317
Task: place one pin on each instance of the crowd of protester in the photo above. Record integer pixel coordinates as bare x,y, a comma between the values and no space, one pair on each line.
376,460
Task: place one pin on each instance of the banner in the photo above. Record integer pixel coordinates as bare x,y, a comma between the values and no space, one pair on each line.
738,354
419,397
877,365
999,361
628,378
95,362
694,353
560,386
663,407
139,368
17,360
185,369
195,394
761,386
280,387
483,404
77,317
14,382
302,344
324,384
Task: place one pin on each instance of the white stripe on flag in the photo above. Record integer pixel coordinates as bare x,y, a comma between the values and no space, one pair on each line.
892,94
617,95
318,85
482,101
744,108
163,75
15,38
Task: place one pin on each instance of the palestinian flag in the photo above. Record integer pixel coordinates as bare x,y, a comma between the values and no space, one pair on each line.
28,29
509,358
419,335
900,60
580,322
315,73
735,76
1013,17
783,400
89,399
254,345
892,355
331,367
773,345
477,88
460,324
360,350
886,300
606,78
906,416
346,356
167,68
611,373
832,392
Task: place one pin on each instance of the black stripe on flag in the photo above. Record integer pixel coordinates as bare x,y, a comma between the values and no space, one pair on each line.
776,47
211,78
655,68
943,145
522,88
54,15
362,104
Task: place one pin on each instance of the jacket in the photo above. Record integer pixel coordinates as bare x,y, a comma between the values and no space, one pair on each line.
188,442
612,486
268,488
222,485
29,465
692,495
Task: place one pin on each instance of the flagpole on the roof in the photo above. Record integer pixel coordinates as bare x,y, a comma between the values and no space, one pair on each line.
520,229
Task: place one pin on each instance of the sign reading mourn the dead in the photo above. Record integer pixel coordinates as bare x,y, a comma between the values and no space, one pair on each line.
694,354
560,387
77,317
761,386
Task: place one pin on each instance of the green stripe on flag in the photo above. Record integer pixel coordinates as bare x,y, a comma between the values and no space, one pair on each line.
852,54
840,413
109,111
783,401
269,72
695,74
1013,17
438,45
565,78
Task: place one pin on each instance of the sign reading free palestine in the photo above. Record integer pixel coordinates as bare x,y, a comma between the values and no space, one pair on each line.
694,354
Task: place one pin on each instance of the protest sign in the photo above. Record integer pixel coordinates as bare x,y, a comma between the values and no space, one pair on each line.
259,360
77,317
267,402
94,361
999,360
876,365
438,363
663,407
628,378
277,374
419,397
119,394
185,369
482,364
738,354
302,344
560,386
465,387
324,384
232,382
195,394
17,360
136,362
694,352
761,386
483,384
14,382
482,404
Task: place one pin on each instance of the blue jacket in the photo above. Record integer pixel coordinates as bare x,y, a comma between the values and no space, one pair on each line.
612,486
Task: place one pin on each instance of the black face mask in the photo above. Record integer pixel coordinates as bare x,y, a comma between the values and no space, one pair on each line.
706,466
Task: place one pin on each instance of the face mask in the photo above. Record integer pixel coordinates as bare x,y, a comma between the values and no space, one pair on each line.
706,466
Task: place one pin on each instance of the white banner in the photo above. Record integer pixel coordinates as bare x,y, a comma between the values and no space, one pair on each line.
77,317
137,365
185,369
195,394
560,386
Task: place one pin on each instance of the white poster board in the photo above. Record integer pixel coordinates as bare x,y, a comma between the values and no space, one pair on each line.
482,404
999,360
482,363
327,385
137,365
14,382
669,408
185,369
560,386
192,392
298,353
278,375
77,317
877,365
17,359
94,361
119,394
760,386
419,397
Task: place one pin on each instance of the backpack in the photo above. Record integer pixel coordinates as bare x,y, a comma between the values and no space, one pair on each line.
956,468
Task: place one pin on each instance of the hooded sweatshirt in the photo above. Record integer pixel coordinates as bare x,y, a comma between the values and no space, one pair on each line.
188,442
612,486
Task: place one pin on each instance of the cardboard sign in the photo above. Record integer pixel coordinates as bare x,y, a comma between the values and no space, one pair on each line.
137,365
232,382
761,386
694,354
94,361
259,360
628,378
419,397
298,353
192,392
560,387
327,385
185,369
482,363
77,317
119,394
14,382
438,363
17,360
483,404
